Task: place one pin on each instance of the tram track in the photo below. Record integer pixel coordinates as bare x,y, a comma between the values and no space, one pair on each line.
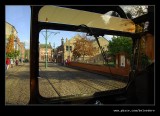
46,75
104,84
85,84
61,84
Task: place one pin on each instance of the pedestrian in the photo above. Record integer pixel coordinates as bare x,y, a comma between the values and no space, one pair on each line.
7,63
16,62
66,62
20,60
11,63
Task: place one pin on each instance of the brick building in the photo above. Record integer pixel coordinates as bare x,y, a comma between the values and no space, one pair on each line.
42,52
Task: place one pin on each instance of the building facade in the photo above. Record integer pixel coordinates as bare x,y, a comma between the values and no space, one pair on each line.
10,30
64,52
97,57
42,52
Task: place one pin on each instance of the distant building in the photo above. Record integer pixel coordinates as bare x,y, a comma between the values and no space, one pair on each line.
69,47
22,50
64,51
42,52
59,53
10,29
98,56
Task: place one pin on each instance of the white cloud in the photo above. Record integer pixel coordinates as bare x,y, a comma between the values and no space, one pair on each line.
108,37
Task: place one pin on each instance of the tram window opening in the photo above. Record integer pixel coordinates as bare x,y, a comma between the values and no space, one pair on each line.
17,54
68,70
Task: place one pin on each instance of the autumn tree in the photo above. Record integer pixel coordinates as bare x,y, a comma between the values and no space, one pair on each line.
10,51
83,47
10,46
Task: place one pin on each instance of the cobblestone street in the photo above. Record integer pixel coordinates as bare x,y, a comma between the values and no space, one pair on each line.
17,85
55,81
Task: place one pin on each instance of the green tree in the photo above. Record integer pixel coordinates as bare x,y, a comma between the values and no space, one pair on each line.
13,54
120,44
27,52
16,53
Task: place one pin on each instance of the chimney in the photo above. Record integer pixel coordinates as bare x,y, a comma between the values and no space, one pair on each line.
62,41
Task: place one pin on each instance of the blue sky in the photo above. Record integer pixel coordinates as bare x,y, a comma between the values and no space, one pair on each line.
56,36
19,17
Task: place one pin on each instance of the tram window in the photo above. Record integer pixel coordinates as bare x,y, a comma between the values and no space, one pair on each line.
17,54
85,67
81,71
55,14
67,72
76,55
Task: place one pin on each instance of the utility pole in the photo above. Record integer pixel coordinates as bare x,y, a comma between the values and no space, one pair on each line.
53,52
24,53
69,49
46,46
26,50
46,36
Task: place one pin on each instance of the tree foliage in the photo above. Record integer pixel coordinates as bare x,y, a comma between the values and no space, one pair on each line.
13,54
120,44
27,52
10,51
83,47
136,11
10,44
16,53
